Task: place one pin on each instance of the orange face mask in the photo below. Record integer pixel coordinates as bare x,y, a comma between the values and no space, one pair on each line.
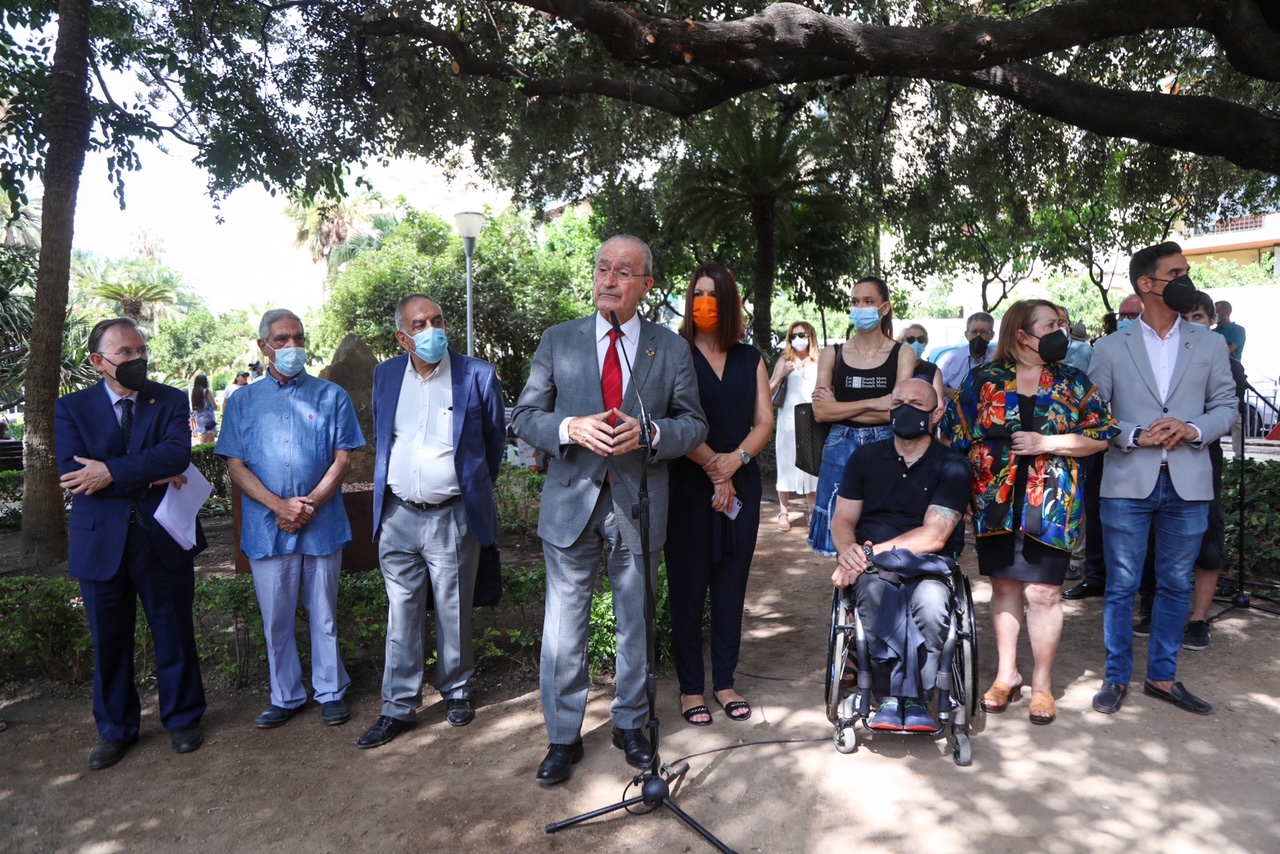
706,313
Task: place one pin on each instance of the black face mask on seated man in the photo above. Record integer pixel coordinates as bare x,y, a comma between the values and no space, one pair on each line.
978,347
908,422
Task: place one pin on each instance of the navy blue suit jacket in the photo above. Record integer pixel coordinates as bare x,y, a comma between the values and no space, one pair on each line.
479,436
85,425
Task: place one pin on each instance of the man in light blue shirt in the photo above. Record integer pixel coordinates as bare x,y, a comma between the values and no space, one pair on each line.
1233,332
979,329
287,440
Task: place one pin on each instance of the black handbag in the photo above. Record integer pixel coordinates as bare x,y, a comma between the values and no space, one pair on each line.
781,394
811,435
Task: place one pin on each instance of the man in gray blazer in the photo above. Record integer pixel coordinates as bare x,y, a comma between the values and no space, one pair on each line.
580,407
1170,387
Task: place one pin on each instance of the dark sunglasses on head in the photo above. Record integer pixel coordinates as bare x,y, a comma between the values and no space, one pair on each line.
916,339
799,336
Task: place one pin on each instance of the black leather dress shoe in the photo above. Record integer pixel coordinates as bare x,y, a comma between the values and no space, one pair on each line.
559,762
635,745
186,740
460,712
1179,696
1084,590
274,716
383,730
108,753
1110,698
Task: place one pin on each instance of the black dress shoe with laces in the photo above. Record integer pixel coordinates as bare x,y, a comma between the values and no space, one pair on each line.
186,740
1110,698
559,762
1179,696
383,730
108,753
635,745
461,712
1084,590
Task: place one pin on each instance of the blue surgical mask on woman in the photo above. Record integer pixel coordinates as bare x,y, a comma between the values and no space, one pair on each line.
430,345
865,318
290,361
919,348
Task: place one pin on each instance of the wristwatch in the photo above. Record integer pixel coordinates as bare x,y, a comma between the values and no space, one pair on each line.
746,458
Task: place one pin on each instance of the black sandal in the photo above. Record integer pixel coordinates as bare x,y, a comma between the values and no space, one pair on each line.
690,714
736,706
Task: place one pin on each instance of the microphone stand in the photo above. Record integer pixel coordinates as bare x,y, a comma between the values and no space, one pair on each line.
655,784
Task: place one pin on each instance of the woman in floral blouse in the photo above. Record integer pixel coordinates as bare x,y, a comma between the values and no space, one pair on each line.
1024,419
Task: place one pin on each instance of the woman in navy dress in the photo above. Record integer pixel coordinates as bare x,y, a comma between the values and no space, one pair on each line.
714,512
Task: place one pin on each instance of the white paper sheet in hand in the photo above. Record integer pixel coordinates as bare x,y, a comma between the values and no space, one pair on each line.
178,509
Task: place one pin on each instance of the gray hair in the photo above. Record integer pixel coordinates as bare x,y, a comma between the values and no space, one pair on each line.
400,306
273,316
618,238
979,317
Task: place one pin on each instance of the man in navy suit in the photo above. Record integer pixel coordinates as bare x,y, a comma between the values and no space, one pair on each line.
119,444
439,422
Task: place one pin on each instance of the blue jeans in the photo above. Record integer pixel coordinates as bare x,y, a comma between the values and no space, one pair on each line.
841,442
1179,526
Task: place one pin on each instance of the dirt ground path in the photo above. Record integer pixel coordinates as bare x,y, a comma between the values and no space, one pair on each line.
1150,779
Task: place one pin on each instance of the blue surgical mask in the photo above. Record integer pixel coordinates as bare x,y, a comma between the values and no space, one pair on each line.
430,345
290,361
865,318
919,348
1124,324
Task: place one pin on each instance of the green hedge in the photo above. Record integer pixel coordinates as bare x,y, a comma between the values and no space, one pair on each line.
44,630
10,499
1261,517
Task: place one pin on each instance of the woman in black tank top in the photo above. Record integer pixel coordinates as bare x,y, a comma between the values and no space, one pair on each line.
855,382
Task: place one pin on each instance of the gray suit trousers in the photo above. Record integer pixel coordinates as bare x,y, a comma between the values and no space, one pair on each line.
417,546
571,576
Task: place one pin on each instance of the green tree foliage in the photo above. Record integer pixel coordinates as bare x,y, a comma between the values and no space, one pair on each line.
1215,273
202,342
522,284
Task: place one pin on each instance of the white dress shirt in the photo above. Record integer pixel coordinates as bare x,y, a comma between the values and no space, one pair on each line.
420,467
1162,353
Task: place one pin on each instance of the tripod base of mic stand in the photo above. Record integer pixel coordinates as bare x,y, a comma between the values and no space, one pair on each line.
1241,601
655,791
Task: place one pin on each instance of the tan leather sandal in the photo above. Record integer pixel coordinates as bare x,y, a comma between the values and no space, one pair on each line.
784,521
1043,710
1001,695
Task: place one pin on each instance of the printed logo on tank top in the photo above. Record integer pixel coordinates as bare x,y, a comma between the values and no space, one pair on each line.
878,383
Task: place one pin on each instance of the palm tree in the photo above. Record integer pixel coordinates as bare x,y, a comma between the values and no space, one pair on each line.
754,171
136,287
326,222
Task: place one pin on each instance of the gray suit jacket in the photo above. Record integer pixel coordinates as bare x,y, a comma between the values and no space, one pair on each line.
1201,392
565,381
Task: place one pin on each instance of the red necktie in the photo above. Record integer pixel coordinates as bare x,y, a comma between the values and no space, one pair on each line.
611,376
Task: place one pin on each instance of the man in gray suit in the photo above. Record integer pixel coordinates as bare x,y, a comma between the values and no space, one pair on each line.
1170,387
580,407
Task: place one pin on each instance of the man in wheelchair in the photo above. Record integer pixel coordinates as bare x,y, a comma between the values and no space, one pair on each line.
907,493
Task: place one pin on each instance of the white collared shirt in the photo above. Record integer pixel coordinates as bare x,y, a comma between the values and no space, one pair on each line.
1162,353
420,467
115,401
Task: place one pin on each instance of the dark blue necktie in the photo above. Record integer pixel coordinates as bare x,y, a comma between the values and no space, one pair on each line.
126,421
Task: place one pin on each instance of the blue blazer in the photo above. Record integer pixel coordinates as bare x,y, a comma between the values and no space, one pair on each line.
85,426
479,436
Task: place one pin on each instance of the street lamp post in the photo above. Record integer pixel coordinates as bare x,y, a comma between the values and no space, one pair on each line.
468,223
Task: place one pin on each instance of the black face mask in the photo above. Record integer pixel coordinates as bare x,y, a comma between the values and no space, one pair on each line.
1179,294
978,347
1053,347
132,375
907,422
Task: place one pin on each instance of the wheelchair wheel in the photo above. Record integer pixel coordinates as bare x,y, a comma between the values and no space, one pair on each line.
962,749
838,648
965,662
845,737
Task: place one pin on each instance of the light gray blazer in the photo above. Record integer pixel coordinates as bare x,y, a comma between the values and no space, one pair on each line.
565,381
1201,392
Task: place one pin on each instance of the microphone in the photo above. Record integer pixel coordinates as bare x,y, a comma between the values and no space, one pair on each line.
631,374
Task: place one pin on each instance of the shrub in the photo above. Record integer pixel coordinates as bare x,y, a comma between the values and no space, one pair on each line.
1261,517
518,494
10,499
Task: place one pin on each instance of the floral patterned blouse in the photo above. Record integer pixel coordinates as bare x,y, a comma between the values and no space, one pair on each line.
982,423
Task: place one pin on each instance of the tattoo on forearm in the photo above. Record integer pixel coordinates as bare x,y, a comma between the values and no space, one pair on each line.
948,515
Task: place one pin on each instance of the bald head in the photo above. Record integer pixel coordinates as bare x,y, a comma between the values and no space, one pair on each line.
915,392
1130,307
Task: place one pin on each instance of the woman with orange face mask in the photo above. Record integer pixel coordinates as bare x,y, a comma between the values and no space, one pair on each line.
714,512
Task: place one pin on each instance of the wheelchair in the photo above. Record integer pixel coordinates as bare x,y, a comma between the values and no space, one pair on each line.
957,679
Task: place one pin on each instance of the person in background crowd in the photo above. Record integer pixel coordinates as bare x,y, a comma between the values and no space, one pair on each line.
1024,419
255,371
592,432
797,369
241,380
1130,310
715,496
287,441
1078,350
1170,387
979,331
855,384
204,411
120,444
1233,332
915,337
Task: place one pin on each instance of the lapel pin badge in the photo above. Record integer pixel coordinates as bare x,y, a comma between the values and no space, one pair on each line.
651,352
152,400
1187,345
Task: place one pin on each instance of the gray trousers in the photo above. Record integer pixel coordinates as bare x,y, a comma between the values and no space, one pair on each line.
931,611
417,547
571,577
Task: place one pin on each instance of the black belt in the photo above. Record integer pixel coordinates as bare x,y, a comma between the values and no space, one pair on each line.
424,506
1164,468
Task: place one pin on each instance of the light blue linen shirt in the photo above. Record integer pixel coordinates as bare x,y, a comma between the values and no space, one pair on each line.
287,434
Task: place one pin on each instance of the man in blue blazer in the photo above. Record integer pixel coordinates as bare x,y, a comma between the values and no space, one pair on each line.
119,444
440,427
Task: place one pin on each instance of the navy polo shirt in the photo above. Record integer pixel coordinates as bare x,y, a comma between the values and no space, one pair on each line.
894,497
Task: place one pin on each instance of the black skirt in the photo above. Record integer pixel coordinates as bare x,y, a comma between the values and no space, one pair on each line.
1020,558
